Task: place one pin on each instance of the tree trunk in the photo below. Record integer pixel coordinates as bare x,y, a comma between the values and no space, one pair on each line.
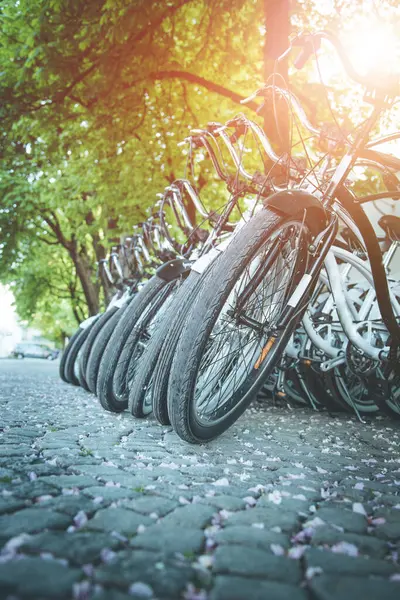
100,253
277,25
90,290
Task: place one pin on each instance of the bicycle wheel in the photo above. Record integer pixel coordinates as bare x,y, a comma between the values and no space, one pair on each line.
129,361
98,348
353,390
229,343
393,397
67,350
117,341
384,388
141,393
76,347
293,389
98,326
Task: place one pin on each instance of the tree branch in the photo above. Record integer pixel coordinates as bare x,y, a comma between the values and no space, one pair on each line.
48,242
206,83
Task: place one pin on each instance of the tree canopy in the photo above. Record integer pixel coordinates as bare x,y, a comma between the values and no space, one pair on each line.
95,95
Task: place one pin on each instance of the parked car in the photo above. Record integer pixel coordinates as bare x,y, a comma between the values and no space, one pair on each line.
32,350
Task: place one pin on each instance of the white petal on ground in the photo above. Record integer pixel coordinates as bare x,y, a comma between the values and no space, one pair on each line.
191,593
250,501
378,521
107,555
276,528
315,522
277,549
345,548
221,482
205,561
81,590
140,590
296,552
80,519
321,470
359,508
183,500
275,497
44,498
312,571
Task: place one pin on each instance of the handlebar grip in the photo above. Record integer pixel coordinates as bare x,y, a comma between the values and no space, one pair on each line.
303,57
309,44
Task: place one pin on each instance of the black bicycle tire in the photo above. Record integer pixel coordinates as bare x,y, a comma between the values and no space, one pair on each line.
294,393
67,350
163,368
200,322
369,408
130,358
381,396
80,376
100,323
73,354
144,376
115,345
97,350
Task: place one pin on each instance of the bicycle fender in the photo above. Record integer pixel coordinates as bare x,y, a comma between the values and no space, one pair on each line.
173,269
293,203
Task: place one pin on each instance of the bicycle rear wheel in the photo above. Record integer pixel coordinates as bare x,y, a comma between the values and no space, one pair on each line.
229,344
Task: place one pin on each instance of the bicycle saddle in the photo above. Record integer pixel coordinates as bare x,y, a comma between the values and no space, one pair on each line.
391,226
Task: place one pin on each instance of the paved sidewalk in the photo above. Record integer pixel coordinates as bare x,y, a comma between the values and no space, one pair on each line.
288,504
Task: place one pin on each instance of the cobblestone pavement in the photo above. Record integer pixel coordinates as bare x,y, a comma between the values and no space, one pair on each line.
288,504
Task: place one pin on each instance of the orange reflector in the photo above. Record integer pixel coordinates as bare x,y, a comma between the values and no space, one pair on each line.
281,394
265,351
307,362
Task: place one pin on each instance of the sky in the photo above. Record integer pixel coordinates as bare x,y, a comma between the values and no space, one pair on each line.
10,332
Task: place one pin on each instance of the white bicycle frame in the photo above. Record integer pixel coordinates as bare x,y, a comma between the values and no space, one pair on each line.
340,302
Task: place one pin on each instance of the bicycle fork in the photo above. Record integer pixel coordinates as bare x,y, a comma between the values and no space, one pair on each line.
297,303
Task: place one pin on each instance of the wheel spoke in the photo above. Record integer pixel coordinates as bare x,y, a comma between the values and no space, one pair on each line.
234,344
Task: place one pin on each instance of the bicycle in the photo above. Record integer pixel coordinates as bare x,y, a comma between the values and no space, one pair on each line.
277,256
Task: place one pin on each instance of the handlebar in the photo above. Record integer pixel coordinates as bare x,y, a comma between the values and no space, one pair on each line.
199,137
291,99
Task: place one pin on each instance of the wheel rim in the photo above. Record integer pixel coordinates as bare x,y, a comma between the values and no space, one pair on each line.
227,369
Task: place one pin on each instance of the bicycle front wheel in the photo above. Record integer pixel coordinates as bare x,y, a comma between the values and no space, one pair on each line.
230,344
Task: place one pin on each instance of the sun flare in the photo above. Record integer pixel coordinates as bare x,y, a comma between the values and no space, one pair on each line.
373,48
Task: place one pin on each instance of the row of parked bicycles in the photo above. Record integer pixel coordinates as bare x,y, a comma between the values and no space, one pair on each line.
290,285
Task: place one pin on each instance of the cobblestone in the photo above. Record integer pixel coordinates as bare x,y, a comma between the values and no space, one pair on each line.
118,519
287,504
37,578
238,588
328,587
170,540
78,549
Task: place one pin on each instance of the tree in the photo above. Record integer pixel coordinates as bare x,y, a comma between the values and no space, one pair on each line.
94,96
